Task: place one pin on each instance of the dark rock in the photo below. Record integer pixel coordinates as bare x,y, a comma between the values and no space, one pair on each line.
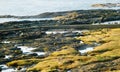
33,54
0,69
2,55
15,48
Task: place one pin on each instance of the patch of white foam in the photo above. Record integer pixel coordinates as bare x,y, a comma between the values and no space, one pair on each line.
86,50
61,32
40,53
81,42
7,56
28,50
55,32
69,71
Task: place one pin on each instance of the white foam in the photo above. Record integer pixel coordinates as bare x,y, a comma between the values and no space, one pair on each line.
86,50
28,50
40,53
55,32
8,56
61,32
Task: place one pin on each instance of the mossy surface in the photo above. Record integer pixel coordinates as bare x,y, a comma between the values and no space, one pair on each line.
26,62
69,58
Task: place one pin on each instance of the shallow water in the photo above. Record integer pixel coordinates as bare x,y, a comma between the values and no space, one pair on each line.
112,22
61,32
109,22
2,20
33,7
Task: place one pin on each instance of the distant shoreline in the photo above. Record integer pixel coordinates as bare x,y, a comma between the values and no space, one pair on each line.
50,14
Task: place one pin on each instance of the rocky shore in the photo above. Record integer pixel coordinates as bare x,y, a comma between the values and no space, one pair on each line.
70,42
63,51
110,5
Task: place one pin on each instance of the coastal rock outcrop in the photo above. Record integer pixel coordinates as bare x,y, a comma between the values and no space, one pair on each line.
107,5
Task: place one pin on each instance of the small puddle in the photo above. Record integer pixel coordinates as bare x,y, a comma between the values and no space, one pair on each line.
85,48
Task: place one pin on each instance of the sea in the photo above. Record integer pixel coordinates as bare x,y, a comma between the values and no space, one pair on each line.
34,7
